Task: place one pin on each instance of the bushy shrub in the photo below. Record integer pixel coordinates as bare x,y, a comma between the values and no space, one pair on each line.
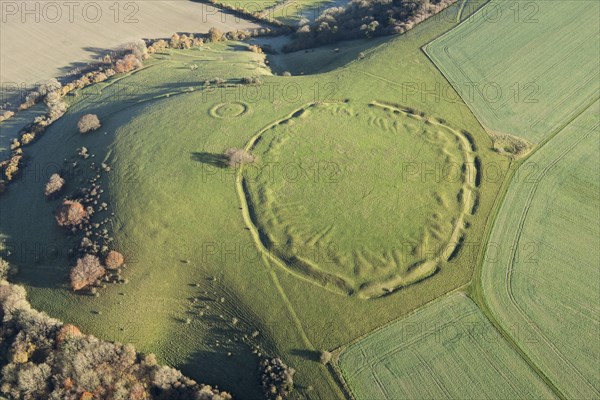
54,185
88,122
127,63
5,269
114,260
11,167
100,77
325,357
158,45
138,48
70,213
236,157
215,35
83,152
251,80
255,48
51,85
4,115
86,271
67,331
276,378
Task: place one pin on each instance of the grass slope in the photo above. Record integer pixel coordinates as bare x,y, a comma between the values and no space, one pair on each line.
439,352
525,68
163,134
540,275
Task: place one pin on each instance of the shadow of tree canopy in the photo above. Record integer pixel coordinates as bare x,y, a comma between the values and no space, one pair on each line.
215,160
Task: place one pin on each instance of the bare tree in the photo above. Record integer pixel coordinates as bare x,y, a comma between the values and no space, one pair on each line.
237,157
86,272
70,213
114,260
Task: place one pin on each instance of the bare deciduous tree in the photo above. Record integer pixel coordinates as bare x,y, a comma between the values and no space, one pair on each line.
70,213
86,272
114,260
237,157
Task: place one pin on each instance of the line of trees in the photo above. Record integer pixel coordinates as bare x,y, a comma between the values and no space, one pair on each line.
363,19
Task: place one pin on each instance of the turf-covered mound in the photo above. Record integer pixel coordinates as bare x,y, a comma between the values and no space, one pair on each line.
360,198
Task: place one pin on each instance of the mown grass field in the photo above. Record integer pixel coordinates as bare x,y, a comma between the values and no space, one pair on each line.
447,349
526,67
163,135
540,275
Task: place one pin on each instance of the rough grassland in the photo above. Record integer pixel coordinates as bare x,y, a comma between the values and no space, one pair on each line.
524,67
445,350
172,200
540,277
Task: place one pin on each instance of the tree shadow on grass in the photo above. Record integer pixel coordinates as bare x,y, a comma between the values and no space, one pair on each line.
212,159
307,354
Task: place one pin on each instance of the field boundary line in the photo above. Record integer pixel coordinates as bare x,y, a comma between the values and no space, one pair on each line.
460,11
288,305
459,23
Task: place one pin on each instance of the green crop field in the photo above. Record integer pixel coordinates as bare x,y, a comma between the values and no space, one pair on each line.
524,67
540,277
196,261
447,349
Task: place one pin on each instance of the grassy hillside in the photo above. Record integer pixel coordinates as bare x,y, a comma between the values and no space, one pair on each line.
525,68
439,352
179,219
542,266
